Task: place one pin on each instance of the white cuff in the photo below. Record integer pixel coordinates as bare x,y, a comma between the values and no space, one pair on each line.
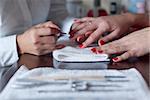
8,50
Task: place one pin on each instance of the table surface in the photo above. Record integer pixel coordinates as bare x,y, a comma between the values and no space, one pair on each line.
31,61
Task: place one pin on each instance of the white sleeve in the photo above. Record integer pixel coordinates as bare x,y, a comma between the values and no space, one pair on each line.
8,50
58,11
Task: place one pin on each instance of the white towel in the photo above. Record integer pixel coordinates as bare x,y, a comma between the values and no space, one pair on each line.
32,85
73,54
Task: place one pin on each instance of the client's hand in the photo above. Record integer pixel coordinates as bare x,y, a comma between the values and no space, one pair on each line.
89,30
133,45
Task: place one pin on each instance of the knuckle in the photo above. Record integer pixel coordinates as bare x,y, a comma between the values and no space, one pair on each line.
92,36
34,31
51,40
115,34
136,53
85,29
119,48
49,30
119,29
37,48
35,39
39,52
107,38
132,53
86,18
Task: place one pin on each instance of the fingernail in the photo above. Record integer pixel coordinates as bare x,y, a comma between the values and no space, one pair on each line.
87,34
71,34
102,42
93,50
81,46
115,59
100,51
79,38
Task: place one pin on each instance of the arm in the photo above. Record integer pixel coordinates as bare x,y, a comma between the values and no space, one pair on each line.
138,20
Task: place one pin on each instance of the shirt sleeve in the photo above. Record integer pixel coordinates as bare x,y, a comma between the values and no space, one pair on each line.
8,50
58,11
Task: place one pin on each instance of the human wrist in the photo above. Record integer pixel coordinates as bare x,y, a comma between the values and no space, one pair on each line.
137,20
130,18
19,44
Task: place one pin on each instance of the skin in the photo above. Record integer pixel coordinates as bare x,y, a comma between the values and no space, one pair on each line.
117,26
130,45
39,39
135,44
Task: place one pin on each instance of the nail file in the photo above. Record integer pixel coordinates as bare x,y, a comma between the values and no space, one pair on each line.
74,54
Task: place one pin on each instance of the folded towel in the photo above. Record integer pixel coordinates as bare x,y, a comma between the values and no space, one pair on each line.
73,54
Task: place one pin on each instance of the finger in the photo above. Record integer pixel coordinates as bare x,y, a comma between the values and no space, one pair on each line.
47,25
80,26
38,25
80,21
87,34
84,30
60,46
49,47
51,25
124,56
47,40
74,25
84,19
45,31
114,47
93,37
80,39
110,36
72,32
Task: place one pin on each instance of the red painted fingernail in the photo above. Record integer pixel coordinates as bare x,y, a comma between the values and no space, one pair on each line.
93,50
81,46
79,38
87,34
102,42
115,59
100,51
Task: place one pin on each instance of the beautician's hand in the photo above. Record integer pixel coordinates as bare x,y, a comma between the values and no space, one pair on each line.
133,45
93,28
38,40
